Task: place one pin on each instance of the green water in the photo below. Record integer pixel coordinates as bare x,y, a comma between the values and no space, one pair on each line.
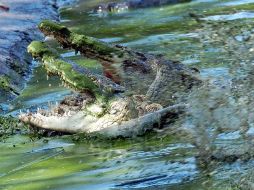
158,161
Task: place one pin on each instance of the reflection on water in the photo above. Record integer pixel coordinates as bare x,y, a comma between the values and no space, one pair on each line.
220,112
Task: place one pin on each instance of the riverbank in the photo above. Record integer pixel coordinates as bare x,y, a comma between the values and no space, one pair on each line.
18,29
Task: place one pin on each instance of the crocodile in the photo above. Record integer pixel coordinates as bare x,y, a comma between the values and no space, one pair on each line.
133,4
135,93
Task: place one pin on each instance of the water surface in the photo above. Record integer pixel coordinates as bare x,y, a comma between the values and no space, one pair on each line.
167,160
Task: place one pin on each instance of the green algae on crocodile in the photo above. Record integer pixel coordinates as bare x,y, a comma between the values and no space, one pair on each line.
76,76
127,113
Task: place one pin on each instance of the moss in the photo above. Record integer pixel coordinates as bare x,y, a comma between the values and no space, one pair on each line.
100,47
9,126
75,79
5,83
51,26
38,49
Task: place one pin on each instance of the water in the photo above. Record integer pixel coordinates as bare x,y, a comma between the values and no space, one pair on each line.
220,113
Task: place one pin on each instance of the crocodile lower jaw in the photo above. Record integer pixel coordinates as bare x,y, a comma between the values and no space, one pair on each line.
109,125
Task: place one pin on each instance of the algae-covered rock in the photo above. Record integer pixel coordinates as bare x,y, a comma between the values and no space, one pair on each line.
9,126
5,83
